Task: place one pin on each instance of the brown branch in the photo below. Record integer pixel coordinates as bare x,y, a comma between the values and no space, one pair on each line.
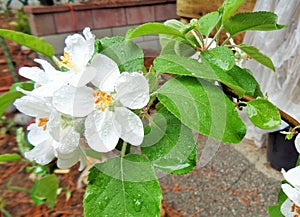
284,116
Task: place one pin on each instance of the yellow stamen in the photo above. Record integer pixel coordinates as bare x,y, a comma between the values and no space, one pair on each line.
43,123
102,100
65,61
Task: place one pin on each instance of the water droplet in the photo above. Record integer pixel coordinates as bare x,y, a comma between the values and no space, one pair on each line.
137,205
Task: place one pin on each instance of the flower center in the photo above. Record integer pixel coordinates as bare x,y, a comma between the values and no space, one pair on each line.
102,100
295,208
43,123
65,61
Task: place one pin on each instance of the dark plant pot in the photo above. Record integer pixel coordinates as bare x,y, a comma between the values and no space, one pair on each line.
281,153
47,2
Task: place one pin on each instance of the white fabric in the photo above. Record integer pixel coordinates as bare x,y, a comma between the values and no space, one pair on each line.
282,46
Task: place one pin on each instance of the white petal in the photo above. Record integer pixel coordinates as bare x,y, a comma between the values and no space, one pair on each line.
100,132
47,90
65,161
107,72
69,140
292,193
208,41
34,73
297,143
37,134
42,153
132,90
33,106
79,79
48,68
292,176
77,102
132,130
79,49
286,208
53,125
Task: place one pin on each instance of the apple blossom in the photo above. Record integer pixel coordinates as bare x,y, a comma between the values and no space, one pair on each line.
107,106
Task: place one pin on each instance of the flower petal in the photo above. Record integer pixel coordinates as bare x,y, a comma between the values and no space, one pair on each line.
34,73
131,130
69,140
42,153
65,161
297,143
286,208
292,193
77,102
107,72
79,48
100,132
79,79
33,106
37,134
132,90
292,176
53,125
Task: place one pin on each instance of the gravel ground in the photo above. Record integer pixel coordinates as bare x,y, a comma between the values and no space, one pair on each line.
229,185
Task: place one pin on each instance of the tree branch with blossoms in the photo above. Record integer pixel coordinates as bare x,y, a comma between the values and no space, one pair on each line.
98,95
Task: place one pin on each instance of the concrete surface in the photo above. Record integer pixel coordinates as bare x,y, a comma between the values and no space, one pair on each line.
238,181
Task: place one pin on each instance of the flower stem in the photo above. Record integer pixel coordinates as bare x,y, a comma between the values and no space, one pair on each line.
123,151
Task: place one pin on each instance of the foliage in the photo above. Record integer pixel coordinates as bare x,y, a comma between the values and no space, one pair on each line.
102,93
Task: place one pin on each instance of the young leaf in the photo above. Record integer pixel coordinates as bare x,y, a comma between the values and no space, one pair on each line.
274,211
245,79
208,22
221,57
123,186
9,157
189,67
260,20
257,55
229,7
152,28
45,188
126,54
37,44
203,107
170,145
263,114
8,98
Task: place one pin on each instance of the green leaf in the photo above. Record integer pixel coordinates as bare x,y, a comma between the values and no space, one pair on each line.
30,41
257,55
203,107
263,114
208,22
8,98
46,188
260,20
152,28
9,157
123,186
221,57
128,56
245,79
274,211
27,85
189,67
169,145
229,7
